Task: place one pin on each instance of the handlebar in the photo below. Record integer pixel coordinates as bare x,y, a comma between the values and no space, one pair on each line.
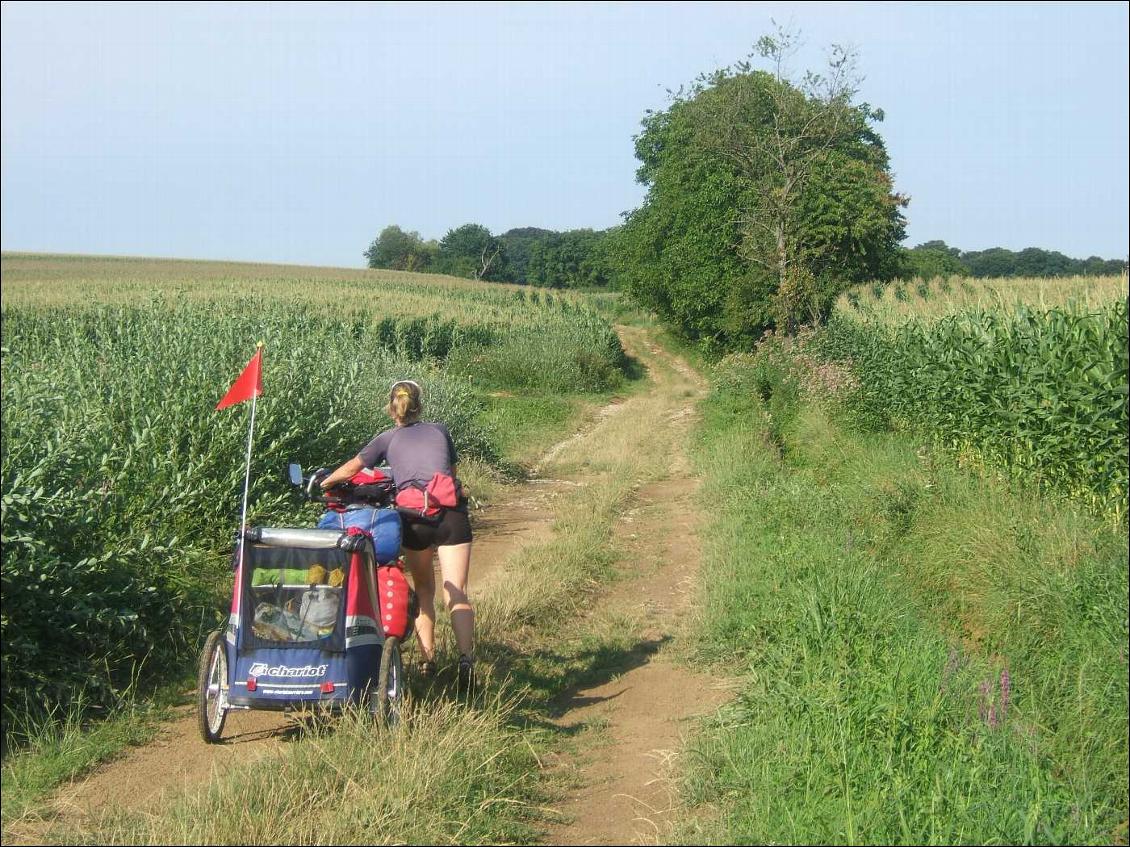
313,487
343,493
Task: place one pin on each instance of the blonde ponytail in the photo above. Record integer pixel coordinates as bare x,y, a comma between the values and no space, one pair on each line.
405,402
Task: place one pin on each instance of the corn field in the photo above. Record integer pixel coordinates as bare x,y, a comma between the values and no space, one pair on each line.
121,483
1042,393
926,300
504,336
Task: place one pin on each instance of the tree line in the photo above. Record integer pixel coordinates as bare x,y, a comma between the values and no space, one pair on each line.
579,258
936,258
767,195
585,258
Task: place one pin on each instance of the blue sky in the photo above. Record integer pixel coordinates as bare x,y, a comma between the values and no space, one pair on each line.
293,132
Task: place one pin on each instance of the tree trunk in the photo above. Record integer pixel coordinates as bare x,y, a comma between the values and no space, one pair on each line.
782,256
485,262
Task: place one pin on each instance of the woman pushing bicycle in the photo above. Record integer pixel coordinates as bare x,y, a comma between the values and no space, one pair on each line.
434,516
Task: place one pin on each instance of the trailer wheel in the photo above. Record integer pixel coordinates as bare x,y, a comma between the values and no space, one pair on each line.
212,688
390,683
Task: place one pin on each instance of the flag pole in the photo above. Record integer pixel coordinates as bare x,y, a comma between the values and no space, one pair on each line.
247,472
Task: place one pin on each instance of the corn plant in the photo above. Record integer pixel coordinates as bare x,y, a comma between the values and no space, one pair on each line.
936,298
1042,393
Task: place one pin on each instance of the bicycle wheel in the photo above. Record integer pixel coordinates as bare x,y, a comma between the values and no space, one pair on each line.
390,683
212,688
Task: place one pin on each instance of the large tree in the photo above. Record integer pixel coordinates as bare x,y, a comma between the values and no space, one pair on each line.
519,243
402,251
765,198
577,258
472,251
932,259
573,259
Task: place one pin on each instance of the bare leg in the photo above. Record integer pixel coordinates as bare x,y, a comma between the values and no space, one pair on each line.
455,565
423,581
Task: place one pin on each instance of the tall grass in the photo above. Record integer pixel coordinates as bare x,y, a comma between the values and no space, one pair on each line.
63,745
924,656
454,776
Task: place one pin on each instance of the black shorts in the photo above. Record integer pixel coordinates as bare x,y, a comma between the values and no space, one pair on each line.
450,527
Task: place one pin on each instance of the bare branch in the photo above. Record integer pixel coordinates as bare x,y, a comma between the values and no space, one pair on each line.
484,262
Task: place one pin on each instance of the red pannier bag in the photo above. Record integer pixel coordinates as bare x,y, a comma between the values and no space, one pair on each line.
397,601
440,493
393,595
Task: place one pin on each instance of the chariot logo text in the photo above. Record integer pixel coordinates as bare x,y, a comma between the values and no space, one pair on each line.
263,669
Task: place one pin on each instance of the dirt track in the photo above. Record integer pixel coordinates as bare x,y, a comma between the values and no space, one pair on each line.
623,795
627,796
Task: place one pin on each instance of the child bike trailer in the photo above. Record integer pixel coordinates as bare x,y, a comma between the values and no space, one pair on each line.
317,621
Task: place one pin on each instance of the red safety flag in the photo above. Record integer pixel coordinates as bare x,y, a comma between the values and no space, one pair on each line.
249,384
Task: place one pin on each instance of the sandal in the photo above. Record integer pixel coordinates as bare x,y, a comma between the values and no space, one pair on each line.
426,668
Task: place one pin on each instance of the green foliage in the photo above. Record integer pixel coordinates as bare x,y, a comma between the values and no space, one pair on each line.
919,657
526,425
575,350
401,251
519,243
930,260
528,255
471,251
1032,261
677,254
769,378
850,220
574,259
936,258
1042,393
712,245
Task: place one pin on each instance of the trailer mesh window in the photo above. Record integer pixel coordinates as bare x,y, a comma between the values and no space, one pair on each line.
295,596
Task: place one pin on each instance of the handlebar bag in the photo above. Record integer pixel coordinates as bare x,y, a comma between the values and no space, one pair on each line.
370,476
373,484
382,524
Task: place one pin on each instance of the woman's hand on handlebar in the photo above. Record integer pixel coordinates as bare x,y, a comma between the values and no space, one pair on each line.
312,484
343,473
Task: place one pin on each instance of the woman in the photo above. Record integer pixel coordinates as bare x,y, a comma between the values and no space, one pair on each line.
416,451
